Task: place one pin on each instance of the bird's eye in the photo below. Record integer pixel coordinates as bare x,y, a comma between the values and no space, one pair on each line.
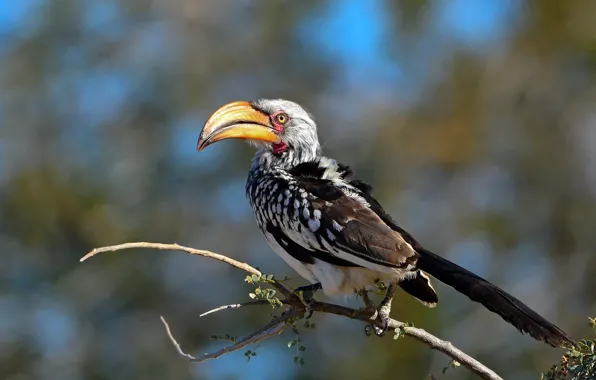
281,118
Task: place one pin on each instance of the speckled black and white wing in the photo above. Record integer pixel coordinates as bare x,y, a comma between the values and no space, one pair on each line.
339,215
314,213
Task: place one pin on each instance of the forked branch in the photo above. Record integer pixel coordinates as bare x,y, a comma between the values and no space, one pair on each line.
294,307
274,327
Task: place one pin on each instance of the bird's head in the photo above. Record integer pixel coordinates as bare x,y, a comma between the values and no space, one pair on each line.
279,126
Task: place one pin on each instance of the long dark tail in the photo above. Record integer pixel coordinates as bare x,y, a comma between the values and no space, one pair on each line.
493,298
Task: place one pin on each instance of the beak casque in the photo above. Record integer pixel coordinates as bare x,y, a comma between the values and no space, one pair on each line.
237,120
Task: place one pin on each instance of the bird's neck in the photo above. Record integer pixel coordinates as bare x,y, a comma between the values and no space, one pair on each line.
265,158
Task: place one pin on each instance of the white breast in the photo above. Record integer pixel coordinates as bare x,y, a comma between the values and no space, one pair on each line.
335,280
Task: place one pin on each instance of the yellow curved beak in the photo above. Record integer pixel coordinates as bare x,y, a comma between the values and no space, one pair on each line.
237,120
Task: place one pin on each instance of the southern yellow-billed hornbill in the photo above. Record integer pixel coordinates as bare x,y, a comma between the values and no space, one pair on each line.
328,227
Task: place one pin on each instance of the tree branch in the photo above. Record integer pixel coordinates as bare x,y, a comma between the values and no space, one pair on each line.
235,306
295,307
274,327
174,247
191,251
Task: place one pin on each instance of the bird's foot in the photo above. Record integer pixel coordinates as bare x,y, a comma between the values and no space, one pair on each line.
384,319
306,296
384,311
375,313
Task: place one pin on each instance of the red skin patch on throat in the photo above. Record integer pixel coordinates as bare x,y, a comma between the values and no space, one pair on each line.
279,148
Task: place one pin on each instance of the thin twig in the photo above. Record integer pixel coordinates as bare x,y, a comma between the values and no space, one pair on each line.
192,251
274,327
277,325
174,342
174,247
236,306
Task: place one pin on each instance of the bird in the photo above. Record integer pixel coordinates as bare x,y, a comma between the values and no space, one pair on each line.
325,223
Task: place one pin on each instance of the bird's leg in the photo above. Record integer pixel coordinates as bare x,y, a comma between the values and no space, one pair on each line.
385,309
369,305
305,294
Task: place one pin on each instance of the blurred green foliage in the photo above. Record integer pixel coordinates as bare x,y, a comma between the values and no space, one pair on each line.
577,364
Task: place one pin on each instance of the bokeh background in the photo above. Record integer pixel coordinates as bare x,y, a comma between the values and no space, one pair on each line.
474,120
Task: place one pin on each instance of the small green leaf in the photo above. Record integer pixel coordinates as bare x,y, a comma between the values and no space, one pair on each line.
298,360
399,333
252,295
